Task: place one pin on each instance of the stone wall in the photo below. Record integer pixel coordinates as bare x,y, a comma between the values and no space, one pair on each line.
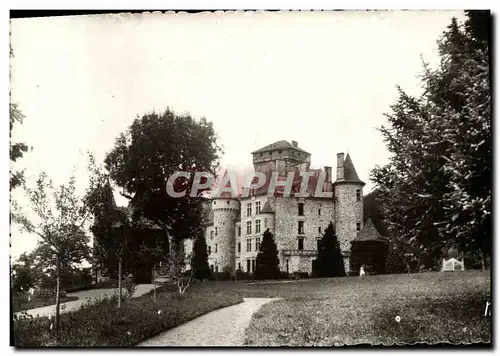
222,243
245,255
286,225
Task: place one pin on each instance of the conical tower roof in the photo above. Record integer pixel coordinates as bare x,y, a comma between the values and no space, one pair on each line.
369,232
350,173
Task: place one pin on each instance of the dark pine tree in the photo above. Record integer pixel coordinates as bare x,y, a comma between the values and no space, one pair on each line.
267,265
330,262
199,259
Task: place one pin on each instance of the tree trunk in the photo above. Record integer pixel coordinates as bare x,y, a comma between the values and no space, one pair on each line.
119,282
58,299
154,285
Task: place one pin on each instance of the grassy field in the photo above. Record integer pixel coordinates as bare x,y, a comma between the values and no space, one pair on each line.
102,324
432,308
20,301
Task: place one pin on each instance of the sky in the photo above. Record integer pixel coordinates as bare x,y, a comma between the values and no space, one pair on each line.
323,79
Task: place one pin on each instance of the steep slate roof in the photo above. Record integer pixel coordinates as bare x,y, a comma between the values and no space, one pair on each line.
369,233
279,145
349,170
267,209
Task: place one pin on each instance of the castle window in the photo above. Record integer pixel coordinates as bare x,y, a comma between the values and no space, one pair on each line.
257,207
239,231
216,268
301,227
319,211
279,152
265,223
248,265
239,246
319,230
216,231
212,234
257,226
257,244
358,227
358,194
301,209
249,245
215,248
215,203
260,155
209,249
253,265
227,202
301,243
249,209
249,227
318,244
239,266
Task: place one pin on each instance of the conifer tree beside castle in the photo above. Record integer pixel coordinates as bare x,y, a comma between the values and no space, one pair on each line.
199,259
267,265
329,262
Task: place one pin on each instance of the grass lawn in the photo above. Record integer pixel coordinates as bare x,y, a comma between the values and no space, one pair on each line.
103,324
20,302
433,307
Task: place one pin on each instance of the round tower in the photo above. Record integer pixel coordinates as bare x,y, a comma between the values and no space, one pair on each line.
225,211
348,190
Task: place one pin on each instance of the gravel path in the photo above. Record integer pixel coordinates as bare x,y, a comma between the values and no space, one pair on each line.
223,327
83,297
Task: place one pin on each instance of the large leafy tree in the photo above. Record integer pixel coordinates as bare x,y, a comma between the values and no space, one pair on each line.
111,225
153,148
436,190
267,263
330,262
17,149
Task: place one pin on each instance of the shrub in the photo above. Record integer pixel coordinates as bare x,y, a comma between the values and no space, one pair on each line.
299,275
222,276
129,286
44,293
244,276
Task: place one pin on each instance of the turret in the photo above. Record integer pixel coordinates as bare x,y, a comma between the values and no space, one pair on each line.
225,212
348,190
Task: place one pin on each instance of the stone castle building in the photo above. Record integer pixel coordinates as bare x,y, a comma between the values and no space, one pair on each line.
234,226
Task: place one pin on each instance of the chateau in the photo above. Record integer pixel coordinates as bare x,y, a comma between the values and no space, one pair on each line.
234,226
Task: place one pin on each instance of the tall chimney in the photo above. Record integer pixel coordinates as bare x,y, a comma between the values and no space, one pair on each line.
328,171
340,166
295,143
